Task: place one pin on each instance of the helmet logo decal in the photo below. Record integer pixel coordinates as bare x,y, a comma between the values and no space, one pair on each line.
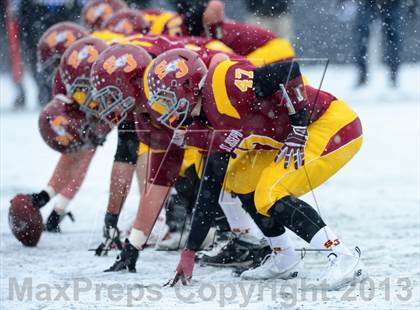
76,57
64,36
103,9
178,65
126,61
124,26
57,125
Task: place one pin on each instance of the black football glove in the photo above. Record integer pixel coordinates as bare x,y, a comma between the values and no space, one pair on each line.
111,235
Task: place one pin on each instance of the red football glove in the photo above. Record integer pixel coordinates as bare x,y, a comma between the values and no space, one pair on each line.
185,268
294,146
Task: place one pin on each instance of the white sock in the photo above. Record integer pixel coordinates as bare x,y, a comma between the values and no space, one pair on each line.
239,220
325,238
282,244
61,204
50,191
137,238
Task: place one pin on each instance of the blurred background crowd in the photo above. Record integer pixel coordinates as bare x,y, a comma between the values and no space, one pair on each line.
340,30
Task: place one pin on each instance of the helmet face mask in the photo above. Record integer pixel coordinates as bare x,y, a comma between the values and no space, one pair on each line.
173,111
113,108
80,90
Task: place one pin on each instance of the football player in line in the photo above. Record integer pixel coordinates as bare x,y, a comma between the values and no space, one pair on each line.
70,169
268,108
75,136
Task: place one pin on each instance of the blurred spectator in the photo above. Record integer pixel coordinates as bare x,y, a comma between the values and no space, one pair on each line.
272,15
389,11
3,47
35,16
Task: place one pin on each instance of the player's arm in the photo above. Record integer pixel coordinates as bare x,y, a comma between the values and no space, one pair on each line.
204,212
287,78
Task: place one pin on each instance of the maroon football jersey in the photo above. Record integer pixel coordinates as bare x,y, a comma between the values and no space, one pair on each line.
230,106
244,38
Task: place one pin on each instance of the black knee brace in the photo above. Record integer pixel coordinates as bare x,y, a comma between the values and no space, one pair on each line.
298,216
128,144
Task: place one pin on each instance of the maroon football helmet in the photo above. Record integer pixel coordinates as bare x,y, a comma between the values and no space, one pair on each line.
173,86
54,43
117,80
75,68
96,12
66,129
127,22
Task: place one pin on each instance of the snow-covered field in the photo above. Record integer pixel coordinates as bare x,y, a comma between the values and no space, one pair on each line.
373,203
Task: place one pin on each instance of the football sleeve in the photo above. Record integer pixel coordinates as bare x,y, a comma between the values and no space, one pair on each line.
284,77
208,199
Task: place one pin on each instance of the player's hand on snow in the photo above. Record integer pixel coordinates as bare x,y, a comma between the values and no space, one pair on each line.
294,147
126,260
111,240
185,268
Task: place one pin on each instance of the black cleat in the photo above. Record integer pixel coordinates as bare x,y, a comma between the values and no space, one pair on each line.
237,253
258,257
126,260
54,220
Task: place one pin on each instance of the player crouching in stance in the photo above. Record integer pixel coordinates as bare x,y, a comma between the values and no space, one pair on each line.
296,136
66,128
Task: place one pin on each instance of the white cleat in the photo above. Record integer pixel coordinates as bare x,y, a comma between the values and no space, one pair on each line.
172,241
275,266
342,270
